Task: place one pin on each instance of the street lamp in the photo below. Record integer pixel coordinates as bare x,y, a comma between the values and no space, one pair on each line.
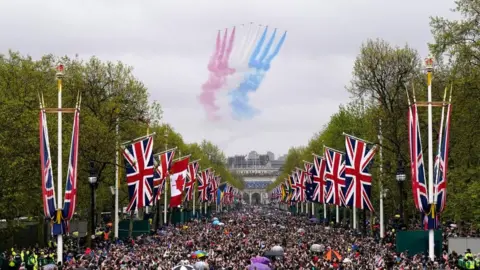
400,180
92,179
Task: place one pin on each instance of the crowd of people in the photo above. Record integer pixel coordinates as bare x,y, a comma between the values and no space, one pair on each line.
235,240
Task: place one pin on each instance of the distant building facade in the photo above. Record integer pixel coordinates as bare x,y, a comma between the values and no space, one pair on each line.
255,164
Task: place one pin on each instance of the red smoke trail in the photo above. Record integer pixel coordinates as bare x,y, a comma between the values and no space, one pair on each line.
219,69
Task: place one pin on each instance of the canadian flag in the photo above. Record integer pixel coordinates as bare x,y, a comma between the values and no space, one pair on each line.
178,176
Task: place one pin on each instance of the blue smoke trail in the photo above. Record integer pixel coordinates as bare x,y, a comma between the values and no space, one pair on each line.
253,78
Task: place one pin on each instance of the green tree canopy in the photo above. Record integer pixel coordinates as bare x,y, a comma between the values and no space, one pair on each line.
382,75
111,95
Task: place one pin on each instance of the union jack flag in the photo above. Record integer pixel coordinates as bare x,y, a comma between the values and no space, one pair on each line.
214,182
161,172
275,194
191,179
48,189
441,165
301,175
203,185
430,222
293,187
228,195
317,172
334,176
419,187
358,179
71,185
308,169
139,168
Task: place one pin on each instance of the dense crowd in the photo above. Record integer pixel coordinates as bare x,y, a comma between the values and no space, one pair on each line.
237,237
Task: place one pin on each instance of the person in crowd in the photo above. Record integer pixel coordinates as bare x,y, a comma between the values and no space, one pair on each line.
240,236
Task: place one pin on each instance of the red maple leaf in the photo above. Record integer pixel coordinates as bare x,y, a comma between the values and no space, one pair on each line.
180,182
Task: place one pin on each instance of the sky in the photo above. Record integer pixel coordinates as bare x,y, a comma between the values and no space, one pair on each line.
169,44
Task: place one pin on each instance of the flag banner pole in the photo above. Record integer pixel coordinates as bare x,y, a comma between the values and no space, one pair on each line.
165,201
138,139
163,152
117,180
193,212
334,150
59,76
337,214
356,138
180,158
148,133
382,192
354,218
59,110
429,63
433,104
439,152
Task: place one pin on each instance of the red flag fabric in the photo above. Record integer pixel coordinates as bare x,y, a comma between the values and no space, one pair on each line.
178,176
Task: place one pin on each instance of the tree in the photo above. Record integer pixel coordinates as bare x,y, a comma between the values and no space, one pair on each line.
457,41
111,95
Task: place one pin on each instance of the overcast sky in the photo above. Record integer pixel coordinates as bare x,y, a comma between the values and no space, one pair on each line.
169,44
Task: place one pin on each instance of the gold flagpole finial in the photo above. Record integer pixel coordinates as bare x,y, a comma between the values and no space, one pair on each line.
429,68
59,75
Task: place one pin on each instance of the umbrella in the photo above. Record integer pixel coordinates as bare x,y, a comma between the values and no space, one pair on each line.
301,230
259,266
221,224
272,253
201,266
347,260
317,248
332,254
314,219
258,259
215,218
183,267
215,222
277,248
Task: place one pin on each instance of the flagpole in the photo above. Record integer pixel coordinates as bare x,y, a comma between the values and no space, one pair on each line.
166,183
193,187
337,214
148,132
59,76
313,209
116,180
354,218
324,211
429,62
382,192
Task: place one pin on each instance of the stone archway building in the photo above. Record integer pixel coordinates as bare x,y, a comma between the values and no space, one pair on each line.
258,171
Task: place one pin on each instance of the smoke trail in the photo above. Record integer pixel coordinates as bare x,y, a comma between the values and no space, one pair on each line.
219,69
241,57
254,77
